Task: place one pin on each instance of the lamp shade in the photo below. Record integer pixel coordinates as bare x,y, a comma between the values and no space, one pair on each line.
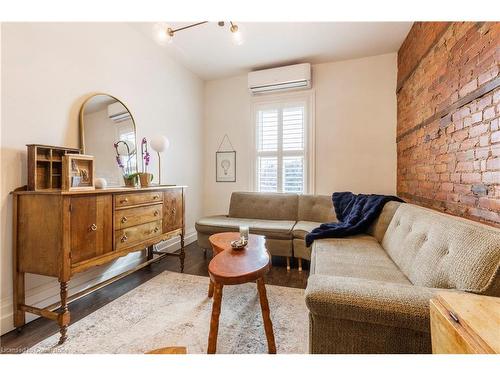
160,143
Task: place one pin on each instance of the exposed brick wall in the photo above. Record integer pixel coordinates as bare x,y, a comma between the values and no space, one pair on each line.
448,132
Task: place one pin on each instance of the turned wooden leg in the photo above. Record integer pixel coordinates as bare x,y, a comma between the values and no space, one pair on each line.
214,322
288,263
19,315
210,289
63,318
266,316
182,254
300,264
150,252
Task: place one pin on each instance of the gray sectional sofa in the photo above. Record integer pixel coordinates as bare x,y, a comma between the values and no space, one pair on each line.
370,293
283,218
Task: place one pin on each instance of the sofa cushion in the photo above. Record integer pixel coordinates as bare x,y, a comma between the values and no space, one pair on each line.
304,227
441,251
280,229
317,208
359,256
370,301
380,225
265,206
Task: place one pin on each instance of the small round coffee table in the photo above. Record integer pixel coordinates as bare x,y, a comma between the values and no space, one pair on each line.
231,267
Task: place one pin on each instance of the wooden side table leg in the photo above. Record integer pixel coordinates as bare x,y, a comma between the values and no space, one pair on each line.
300,264
63,318
288,263
214,322
210,289
266,316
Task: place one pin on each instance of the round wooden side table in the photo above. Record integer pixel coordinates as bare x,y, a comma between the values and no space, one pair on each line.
231,267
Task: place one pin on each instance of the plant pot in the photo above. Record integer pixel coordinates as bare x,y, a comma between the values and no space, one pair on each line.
130,181
146,179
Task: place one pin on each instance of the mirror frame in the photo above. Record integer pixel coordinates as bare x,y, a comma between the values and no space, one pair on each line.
82,132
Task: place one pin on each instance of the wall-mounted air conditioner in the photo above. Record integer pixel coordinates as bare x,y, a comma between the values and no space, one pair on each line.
290,77
117,112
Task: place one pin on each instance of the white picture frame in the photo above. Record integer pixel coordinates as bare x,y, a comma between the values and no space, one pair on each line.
225,166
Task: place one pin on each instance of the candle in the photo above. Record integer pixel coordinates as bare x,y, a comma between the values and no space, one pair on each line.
244,229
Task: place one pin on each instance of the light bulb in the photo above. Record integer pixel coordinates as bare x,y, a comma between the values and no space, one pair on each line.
162,33
236,35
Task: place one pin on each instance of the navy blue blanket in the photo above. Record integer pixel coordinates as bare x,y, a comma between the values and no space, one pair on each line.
355,213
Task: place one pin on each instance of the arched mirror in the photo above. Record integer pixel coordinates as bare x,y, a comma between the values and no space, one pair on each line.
107,131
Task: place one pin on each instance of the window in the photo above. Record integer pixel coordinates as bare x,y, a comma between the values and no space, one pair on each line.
282,137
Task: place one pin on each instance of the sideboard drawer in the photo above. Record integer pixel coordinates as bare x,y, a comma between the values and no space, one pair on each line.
126,200
130,236
130,217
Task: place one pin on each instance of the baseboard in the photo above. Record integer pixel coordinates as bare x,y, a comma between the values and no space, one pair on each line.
48,292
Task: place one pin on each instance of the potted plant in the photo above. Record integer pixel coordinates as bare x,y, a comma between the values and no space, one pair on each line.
124,163
145,177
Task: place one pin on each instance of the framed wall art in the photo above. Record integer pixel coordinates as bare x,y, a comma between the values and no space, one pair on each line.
225,170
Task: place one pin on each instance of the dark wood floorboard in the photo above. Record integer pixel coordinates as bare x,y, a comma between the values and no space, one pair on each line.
195,264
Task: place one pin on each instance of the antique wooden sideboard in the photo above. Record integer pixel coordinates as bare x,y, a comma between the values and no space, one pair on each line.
60,233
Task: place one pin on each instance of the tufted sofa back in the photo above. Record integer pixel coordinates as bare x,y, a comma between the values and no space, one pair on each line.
441,251
317,208
265,206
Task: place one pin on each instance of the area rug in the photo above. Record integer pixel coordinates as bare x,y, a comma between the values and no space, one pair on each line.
173,309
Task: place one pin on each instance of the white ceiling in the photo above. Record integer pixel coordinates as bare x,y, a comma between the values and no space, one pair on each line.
208,50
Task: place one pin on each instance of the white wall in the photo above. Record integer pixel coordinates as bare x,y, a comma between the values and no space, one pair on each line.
355,125
47,71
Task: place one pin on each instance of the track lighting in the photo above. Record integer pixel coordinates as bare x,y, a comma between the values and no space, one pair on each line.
163,34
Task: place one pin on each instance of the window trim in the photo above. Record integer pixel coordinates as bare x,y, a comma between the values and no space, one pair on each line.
307,96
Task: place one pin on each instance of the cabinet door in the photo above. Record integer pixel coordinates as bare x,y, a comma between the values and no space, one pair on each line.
91,226
173,210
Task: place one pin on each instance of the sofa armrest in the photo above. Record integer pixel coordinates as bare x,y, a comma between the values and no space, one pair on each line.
376,302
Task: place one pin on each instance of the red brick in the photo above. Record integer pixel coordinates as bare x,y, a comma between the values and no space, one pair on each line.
466,141
491,177
470,178
492,164
477,117
495,137
478,130
482,152
465,166
465,155
489,203
489,113
488,76
468,88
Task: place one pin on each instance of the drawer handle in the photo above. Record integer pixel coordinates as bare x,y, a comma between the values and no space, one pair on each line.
454,317
124,238
157,213
124,219
156,197
156,229
93,227
124,200
174,210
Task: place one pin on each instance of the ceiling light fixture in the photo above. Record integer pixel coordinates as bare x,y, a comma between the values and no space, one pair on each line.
236,33
163,33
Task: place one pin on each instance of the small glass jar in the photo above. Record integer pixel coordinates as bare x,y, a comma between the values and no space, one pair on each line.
244,230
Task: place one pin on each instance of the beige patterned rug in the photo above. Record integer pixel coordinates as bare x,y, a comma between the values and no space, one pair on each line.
173,309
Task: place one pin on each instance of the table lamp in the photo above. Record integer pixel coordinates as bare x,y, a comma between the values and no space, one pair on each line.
159,144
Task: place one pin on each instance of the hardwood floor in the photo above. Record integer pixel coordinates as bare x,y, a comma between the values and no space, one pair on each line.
195,264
